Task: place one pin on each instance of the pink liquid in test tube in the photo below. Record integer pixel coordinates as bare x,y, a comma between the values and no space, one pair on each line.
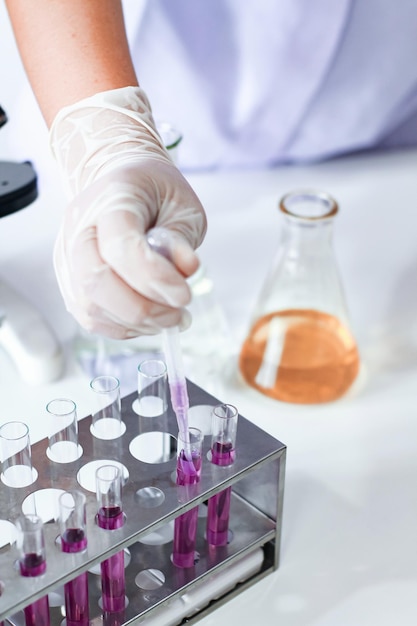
188,475
110,516
34,564
113,568
76,591
224,423
72,522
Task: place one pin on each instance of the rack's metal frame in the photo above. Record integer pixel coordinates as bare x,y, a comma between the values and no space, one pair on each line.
257,480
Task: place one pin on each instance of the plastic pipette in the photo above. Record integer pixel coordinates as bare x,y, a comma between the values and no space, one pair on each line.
159,239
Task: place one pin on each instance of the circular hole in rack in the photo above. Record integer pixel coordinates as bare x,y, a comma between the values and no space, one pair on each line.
149,579
108,428
196,558
162,535
19,476
86,475
8,534
153,447
149,406
199,416
64,452
56,597
96,569
149,497
43,503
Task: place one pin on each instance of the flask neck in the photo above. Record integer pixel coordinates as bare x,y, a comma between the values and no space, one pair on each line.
309,217
304,235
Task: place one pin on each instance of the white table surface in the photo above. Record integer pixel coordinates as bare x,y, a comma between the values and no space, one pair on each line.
349,542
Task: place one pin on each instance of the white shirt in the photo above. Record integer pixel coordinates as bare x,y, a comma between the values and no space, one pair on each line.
261,82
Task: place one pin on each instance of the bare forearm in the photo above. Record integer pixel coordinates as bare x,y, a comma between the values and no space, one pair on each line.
71,49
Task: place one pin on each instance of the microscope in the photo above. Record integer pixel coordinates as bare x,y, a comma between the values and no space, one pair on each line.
24,333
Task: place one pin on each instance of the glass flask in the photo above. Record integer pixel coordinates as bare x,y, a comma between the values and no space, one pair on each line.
299,347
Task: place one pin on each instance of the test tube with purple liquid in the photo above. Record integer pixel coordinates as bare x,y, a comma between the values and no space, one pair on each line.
32,562
224,425
110,517
189,461
72,523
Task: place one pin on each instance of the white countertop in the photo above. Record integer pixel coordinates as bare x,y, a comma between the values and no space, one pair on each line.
349,542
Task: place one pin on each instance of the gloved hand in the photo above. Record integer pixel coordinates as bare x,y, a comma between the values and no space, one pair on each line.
122,183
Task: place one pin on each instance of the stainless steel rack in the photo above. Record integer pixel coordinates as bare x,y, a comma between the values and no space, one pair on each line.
151,502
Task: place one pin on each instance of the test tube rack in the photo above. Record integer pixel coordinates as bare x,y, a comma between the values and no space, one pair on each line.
151,502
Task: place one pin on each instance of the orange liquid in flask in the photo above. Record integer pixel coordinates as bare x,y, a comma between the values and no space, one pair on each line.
301,356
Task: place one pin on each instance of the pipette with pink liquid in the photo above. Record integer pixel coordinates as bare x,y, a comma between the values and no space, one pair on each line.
159,239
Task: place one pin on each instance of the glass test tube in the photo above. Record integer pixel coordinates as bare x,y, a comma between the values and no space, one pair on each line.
110,517
189,461
107,417
224,425
16,455
152,388
72,524
32,562
63,431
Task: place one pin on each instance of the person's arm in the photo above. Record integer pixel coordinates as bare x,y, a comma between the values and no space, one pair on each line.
116,171
71,49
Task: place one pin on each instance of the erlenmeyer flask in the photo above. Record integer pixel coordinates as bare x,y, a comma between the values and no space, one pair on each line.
300,348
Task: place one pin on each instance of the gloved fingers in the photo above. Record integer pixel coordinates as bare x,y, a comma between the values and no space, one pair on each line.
174,247
156,191
180,210
100,324
125,249
98,298
97,287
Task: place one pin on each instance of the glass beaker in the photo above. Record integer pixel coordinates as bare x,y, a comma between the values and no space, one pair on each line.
299,347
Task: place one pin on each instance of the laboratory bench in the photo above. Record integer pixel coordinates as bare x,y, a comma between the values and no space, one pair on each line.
349,544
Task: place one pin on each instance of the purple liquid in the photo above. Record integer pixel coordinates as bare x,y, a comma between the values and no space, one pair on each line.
73,540
32,564
76,601
37,613
185,526
185,533
179,395
110,517
223,454
76,591
180,404
113,568
188,472
113,583
218,518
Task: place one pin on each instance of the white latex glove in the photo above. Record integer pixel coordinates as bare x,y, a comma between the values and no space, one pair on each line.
122,183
